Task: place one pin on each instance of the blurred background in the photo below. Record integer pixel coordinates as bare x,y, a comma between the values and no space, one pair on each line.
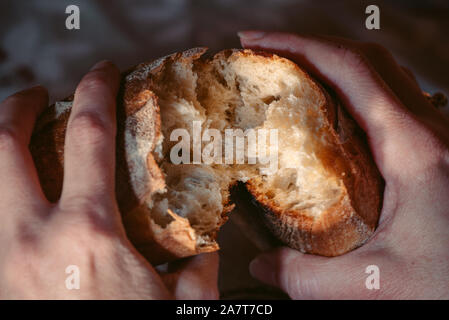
36,48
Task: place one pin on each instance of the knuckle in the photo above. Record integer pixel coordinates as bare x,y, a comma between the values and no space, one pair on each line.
432,147
81,237
437,149
90,216
83,223
24,248
8,139
352,58
88,127
88,240
355,60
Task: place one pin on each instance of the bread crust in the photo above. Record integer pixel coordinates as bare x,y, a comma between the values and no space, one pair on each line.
348,223
138,177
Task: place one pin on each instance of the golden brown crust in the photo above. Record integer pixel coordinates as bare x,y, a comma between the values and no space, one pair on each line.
162,244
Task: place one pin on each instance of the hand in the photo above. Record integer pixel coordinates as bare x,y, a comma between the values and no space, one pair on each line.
39,240
409,140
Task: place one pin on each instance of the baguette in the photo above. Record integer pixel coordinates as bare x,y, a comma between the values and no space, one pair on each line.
325,197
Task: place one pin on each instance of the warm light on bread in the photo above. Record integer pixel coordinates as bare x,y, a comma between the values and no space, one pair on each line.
324,198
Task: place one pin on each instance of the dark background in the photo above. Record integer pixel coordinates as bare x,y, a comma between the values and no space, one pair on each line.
36,48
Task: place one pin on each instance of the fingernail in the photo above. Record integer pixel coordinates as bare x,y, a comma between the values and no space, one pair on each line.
251,35
101,65
261,268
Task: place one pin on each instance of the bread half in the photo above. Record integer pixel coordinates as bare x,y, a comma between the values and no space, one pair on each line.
324,196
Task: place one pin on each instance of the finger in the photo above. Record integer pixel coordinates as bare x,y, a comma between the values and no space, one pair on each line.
400,80
89,156
392,130
194,278
404,85
305,276
382,60
19,181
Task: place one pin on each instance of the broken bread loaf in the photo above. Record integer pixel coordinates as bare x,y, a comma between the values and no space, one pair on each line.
324,196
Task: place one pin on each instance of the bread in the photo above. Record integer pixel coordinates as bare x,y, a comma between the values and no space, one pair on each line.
324,198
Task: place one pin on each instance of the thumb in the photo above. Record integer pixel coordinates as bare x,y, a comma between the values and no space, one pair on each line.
305,276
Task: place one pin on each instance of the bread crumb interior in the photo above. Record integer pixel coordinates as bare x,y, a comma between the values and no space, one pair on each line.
243,91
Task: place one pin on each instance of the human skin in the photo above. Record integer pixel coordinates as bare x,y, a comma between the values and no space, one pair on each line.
409,141
39,239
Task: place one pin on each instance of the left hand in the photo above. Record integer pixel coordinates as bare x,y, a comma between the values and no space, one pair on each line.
39,239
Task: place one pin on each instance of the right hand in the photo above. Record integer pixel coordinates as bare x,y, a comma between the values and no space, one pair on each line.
409,140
